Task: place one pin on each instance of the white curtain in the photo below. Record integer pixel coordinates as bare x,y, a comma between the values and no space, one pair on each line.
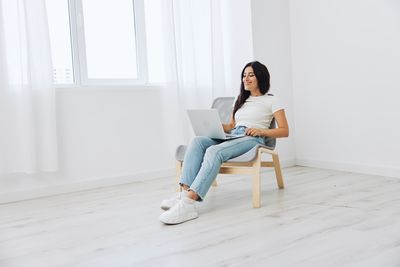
196,49
28,142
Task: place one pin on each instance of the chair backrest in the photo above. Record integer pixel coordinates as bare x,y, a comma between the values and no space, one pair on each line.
224,105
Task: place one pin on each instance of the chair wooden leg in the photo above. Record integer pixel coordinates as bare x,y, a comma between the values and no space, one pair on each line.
278,171
257,182
178,175
256,190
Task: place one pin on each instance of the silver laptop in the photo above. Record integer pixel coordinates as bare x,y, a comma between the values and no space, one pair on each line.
206,122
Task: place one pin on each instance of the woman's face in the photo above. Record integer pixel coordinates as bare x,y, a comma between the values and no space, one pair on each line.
249,80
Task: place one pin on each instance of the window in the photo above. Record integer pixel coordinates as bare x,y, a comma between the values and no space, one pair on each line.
60,40
97,41
110,39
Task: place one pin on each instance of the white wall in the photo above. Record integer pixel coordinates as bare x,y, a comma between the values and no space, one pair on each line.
346,69
110,132
271,44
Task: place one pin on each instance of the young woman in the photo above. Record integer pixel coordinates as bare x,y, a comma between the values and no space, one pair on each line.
252,114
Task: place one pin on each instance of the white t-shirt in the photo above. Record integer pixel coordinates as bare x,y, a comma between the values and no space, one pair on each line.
257,111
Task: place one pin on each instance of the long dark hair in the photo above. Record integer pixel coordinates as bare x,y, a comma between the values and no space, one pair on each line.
262,75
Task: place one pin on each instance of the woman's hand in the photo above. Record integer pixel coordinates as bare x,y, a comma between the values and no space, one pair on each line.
228,127
254,132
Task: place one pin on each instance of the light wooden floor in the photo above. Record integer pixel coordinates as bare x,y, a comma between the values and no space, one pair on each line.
322,218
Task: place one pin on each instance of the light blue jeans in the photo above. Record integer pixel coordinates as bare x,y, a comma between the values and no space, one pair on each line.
204,157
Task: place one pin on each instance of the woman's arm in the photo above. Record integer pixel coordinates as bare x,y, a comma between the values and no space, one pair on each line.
281,131
228,127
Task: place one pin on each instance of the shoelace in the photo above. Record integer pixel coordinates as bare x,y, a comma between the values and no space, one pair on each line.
177,208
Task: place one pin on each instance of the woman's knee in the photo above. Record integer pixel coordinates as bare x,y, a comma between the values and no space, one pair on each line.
200,141
213,153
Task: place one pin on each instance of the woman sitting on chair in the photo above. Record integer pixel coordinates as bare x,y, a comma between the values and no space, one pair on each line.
252,114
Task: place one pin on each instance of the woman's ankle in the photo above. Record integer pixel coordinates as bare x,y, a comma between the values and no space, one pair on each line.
192,195
185,187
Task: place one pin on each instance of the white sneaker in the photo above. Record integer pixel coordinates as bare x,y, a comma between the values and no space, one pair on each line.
183,211
166,204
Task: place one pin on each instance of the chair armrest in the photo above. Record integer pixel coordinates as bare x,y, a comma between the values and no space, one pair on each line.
180,152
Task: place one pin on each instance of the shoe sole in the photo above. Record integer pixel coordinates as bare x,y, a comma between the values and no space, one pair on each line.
180,222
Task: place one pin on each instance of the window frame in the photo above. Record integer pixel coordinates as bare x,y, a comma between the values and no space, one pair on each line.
78,47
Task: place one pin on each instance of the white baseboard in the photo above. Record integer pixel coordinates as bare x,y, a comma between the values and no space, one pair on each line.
350,167
68,186
286,163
